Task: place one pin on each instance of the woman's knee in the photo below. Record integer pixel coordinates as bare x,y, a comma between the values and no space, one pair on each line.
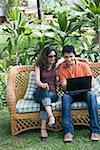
53,96
46,102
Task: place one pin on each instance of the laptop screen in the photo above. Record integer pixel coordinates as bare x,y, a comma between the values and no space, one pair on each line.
79,84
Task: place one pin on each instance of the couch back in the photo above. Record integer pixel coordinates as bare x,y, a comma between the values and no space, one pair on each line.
19,75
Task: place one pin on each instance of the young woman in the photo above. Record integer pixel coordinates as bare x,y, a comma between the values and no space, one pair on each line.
46,87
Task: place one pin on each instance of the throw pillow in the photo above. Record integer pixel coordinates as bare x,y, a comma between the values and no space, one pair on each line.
29,95
96,88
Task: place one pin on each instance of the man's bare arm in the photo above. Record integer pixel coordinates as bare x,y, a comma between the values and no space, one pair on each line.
61,60
63,84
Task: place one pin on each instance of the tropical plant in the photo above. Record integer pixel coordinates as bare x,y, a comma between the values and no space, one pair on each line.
50,6
41,34
12,3
17,29
3,81
3,102
6,5
53,6
88,50
67,28
91,9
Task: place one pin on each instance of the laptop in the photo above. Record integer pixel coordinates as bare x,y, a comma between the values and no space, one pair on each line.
79,84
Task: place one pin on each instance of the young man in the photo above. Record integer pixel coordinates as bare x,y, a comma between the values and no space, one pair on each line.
72,68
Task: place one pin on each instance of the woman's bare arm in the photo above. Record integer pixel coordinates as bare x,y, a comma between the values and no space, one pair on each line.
38,81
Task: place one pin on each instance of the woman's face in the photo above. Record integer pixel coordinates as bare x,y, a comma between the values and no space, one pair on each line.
52,57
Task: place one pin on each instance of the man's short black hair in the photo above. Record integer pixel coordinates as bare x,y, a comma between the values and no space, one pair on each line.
68,49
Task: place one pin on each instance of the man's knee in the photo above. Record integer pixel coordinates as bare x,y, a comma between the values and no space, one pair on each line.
67,98
92,97
91,93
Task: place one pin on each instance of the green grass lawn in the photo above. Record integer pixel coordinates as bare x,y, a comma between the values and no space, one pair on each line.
30,140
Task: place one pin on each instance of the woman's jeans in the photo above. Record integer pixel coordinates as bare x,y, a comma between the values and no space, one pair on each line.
45,98
90,98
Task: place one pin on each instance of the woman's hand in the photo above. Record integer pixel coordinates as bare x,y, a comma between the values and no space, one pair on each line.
45,85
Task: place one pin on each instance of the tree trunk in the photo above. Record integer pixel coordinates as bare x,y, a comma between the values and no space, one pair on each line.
96,39
39,8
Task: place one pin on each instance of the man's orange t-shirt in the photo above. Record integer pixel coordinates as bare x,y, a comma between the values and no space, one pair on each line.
78,70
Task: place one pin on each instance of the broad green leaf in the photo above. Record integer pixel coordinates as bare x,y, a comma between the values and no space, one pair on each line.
77,7
9,47
14,13
62,20
93,8
3,65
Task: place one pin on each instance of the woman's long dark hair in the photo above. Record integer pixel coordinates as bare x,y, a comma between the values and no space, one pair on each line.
42,60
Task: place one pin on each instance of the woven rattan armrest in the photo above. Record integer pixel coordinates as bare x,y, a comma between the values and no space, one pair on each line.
11,99
11,86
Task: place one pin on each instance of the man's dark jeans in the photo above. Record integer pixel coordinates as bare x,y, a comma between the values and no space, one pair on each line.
90,98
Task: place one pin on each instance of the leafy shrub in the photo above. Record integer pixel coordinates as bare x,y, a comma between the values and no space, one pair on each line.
3,102
3,77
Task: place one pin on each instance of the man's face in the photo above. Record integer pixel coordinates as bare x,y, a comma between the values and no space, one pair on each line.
69,58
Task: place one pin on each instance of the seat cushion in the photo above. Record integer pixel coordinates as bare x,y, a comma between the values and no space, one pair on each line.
24,106
31,106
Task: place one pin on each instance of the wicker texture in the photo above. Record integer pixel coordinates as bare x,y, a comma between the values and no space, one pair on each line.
16,87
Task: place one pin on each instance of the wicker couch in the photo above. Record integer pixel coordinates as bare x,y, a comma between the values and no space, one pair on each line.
21,121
